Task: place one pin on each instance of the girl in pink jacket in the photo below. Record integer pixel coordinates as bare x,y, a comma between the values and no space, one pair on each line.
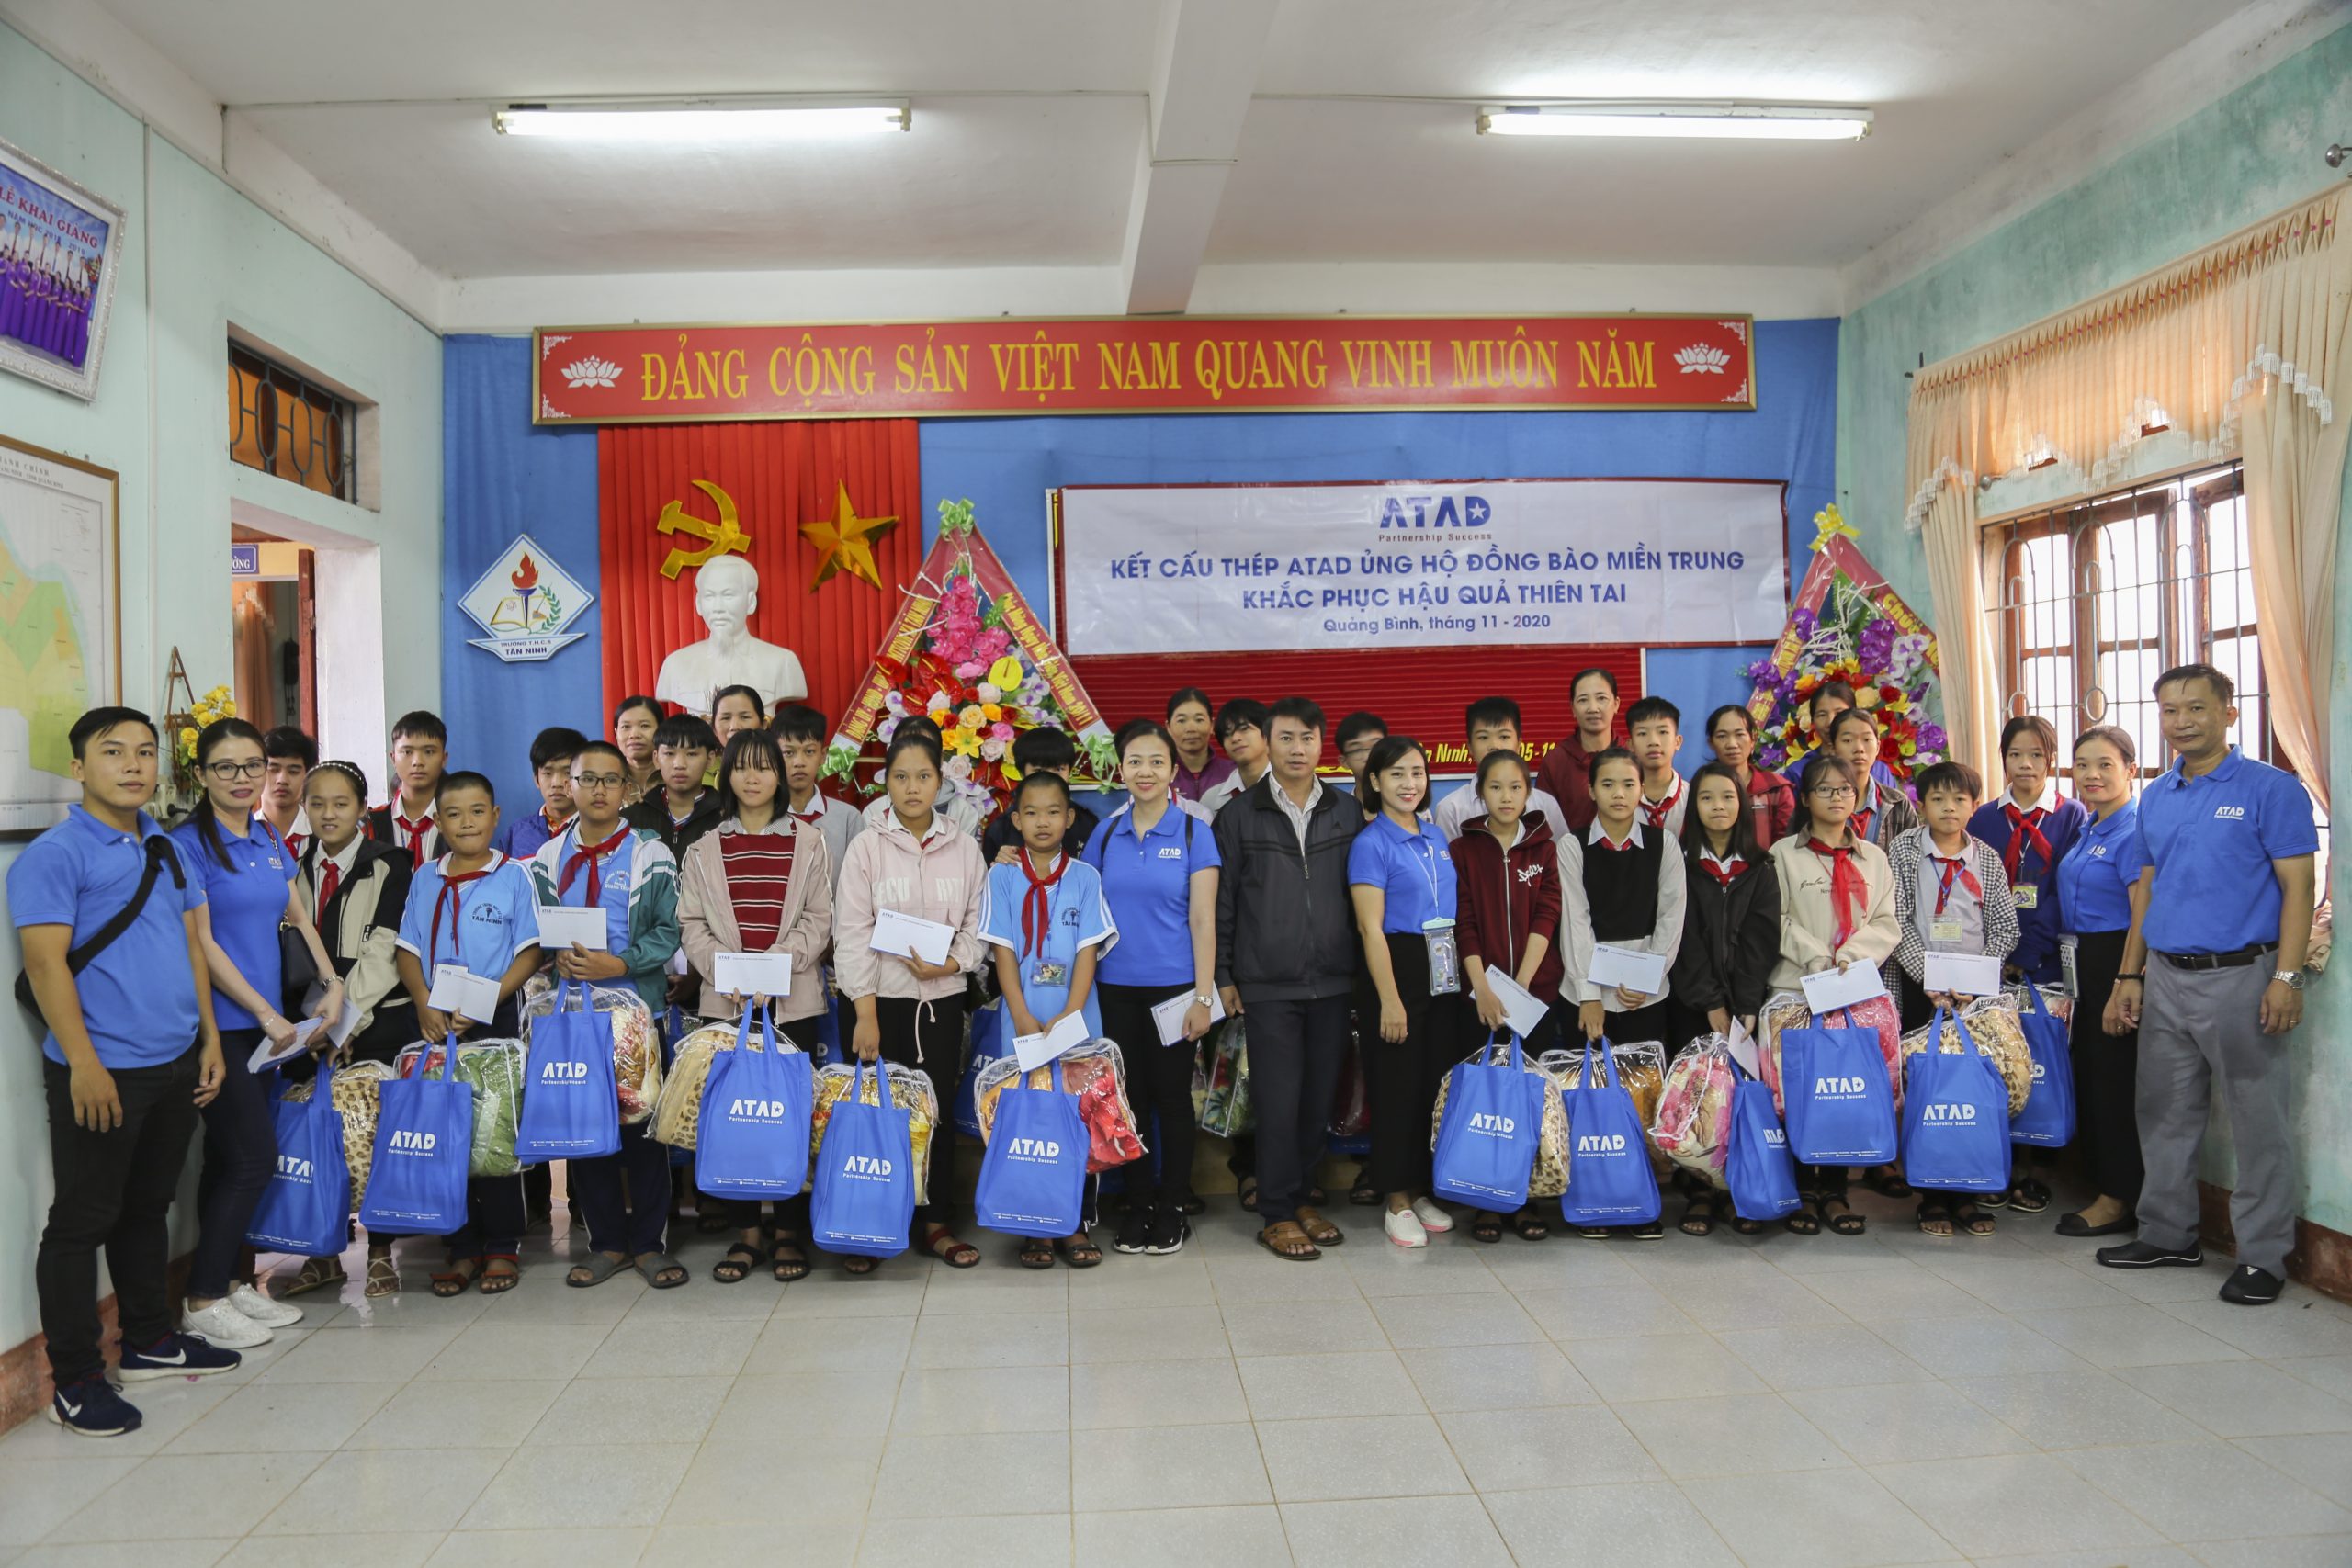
909,1010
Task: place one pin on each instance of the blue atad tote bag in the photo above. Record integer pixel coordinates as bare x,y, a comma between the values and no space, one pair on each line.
306,1208
2048,1118
571,1108
865,1196
1032,1177
1955,1119
1758,1167
1486,1140
991,1035
1610,1179
1841,1108
753,1141
425,1141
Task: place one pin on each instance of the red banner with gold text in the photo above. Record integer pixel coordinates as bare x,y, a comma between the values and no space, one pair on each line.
1139,364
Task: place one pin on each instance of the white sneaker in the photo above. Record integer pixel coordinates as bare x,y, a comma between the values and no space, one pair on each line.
262,1310
1405,1229
223,1326
1432,1218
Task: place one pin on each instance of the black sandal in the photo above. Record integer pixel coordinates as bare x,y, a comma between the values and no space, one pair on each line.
1078,1252
2028,1196
787,1269
1932,1213
1530,1225
1485,1227
1967,1219
1846,1224
857,1264
1741,1226
1247,1195
1802,1222
1886,1181
1362,1195
1036,1253
1699,1216
737,1265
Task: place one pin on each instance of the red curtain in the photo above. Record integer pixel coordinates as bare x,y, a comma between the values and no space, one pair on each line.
780,475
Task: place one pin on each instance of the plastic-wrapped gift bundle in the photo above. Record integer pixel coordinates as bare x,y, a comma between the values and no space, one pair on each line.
1641,1070
1549,1177
637,1044
1096,1073
1226,1110
911,1091
1993,1023
1692,1126
680,1106
1789,1010
356,1091
495,1070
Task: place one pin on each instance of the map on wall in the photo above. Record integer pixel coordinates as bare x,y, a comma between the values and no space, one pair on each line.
59,649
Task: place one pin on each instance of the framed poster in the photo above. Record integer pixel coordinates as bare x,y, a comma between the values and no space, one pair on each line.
61,245
61,627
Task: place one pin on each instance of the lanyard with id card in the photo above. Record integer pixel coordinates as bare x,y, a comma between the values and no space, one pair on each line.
1445,950
2067,974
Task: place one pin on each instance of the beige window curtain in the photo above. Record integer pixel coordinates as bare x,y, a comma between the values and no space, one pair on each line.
2245,348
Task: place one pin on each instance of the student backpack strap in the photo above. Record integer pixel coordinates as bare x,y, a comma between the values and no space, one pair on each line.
159,854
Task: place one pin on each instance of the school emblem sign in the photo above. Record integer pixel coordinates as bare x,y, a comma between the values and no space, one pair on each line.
524,601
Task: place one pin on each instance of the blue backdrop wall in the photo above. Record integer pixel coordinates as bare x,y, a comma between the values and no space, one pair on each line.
503,476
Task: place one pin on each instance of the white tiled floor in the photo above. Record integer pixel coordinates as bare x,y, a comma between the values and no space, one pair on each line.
1812,1402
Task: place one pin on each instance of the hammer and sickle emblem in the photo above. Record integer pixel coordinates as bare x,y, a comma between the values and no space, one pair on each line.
723,536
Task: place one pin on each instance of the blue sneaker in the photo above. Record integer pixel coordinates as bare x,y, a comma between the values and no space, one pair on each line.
91,1408
177,1356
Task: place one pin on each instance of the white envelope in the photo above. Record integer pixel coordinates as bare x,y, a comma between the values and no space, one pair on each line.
752,974
457,990
1169,1016
910,936
1829,990
340,1031
1964,973
563,926
266,1055
1629,967
1743,1050
1033,1051
1524,1009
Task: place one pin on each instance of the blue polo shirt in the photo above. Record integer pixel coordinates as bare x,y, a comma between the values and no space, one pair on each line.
613,875
482,927
1415,870
1148,884
2212,841
2095,876
1077,920
247,893
138,995
523,836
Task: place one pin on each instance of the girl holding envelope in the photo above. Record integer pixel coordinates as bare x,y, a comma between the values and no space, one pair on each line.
910,1008
761,882
1837,910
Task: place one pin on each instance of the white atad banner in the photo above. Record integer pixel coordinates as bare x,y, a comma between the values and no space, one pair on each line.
1322,568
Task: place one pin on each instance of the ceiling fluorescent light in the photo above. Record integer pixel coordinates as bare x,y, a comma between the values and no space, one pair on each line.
701,120
1765,122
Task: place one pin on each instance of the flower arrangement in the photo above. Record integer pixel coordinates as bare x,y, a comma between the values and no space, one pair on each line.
182,726
971,675
1847,626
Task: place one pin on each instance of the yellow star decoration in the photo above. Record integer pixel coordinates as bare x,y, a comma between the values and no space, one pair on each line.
846,543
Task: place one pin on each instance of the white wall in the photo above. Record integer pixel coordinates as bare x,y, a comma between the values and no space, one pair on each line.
198,258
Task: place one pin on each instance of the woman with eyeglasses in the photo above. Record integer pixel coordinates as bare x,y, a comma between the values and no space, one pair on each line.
1837,910
247,875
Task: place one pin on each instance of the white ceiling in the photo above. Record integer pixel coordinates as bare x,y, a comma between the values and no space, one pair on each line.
1032,117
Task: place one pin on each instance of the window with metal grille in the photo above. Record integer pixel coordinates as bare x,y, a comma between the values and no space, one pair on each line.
286,425
2097,599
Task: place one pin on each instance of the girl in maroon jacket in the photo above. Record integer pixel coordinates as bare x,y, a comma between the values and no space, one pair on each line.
1507,912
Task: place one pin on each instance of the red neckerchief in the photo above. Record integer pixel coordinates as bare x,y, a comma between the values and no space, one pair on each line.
1861,819
329,880
814,815
1725,872
415,831
449,896
1037,904
1955,866
1606,842
592,856
2025,828
1848,892
1654,812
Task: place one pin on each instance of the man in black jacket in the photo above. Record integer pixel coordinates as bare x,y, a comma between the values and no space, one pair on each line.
1286,951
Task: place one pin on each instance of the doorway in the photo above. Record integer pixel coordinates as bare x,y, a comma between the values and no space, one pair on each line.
273,589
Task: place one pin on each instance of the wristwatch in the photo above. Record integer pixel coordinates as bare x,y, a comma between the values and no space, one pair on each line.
2290,979
1208,1000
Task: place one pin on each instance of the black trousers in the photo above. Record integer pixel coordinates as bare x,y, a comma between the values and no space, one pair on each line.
624,1197
930,1035
113,1191
240,1157
1160,1088
791,1214
1401,1076
2107,1072
1295,1050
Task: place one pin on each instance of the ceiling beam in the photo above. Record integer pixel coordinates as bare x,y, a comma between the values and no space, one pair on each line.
1206,69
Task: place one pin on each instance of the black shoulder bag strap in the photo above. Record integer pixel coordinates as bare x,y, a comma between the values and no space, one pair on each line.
159,854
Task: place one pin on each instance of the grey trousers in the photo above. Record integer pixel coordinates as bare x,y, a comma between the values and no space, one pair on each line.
2199,1023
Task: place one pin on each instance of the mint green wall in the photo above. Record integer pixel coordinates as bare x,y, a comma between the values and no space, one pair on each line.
209,257
2253,152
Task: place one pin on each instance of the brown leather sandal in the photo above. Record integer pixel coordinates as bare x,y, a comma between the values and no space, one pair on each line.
1285,1240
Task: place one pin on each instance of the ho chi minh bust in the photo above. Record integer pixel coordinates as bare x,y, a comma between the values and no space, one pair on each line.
727,589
